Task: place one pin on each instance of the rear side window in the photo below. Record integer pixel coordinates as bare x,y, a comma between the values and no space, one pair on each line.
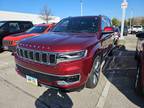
2,23
105,23
25,26
13,27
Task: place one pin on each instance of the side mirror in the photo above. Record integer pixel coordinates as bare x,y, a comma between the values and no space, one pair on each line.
108,30
140,35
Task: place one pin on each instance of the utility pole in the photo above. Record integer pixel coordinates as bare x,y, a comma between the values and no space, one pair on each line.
123,6
81,6
131,20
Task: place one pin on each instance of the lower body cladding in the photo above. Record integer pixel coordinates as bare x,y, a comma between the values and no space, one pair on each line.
66,76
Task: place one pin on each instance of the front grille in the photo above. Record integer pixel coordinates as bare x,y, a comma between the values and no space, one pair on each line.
37,56
7,42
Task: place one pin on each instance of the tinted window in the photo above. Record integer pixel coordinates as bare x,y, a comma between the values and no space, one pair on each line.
37,29
137,26
27,25
13,27
79,24
108,22
105,23
2,23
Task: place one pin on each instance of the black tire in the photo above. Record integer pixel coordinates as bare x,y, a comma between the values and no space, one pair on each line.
95,73
138,85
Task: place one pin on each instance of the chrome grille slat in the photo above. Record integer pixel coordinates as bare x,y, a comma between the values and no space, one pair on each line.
37,56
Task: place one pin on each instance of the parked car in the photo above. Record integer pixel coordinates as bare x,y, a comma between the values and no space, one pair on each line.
12,27
69,57
137,28
10,42
139,83
125,32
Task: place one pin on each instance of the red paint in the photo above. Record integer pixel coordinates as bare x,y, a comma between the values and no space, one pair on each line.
61,42
13,39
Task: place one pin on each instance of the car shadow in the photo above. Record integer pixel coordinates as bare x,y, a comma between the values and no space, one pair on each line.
1,51
122,67
54,99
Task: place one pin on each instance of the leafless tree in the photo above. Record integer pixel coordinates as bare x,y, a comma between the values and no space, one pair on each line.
46,14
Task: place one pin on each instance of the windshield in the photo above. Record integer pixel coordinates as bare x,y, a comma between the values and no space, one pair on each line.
37,29
2,23
76,25
137,26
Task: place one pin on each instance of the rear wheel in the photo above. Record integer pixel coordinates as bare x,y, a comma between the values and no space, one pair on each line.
95,73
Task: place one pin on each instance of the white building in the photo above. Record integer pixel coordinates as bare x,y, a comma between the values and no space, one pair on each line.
35,18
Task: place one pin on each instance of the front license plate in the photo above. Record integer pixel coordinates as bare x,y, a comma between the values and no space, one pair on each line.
32,80
6,47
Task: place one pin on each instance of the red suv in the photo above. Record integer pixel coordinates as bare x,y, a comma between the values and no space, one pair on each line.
69,56
10,42
139,84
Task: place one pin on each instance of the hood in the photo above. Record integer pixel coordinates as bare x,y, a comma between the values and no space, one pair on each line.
20,36
60,42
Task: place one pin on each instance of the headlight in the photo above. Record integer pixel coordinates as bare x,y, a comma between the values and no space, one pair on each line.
70,56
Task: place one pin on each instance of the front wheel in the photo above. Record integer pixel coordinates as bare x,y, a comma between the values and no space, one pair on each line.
95,73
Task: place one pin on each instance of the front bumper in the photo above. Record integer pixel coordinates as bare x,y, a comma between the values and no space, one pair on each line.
64,76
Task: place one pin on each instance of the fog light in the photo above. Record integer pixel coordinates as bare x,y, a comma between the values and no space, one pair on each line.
69,80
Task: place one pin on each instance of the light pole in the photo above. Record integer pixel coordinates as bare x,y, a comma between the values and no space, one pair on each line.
81,6
131,20
123,6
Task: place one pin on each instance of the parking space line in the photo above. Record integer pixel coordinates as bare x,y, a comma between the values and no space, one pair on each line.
103,97
105,92
23,91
